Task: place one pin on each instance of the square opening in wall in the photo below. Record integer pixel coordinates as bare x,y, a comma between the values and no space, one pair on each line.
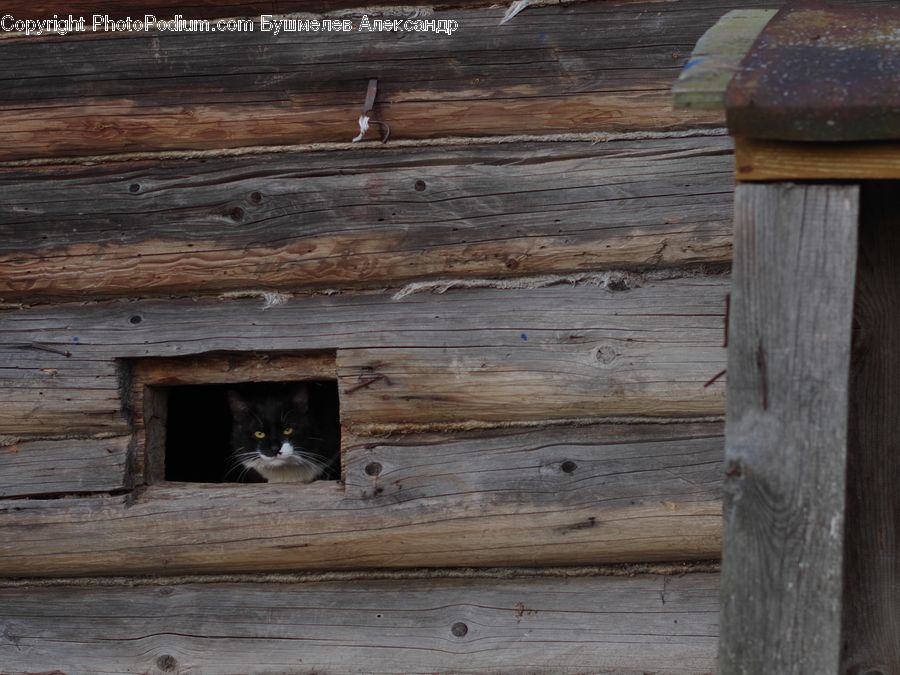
227,419
280,432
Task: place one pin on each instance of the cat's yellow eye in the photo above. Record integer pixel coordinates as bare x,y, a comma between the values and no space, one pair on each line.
287,431
259,434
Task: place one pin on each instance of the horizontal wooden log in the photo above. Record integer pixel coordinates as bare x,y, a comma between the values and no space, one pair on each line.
373,217
655,344
556,496
48,467
229,368
593,66
46,394
648,623
591,376
614,463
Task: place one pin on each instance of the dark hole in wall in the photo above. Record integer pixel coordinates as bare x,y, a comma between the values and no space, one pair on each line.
199,424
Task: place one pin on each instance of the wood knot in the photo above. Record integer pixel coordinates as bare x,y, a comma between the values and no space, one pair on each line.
604,355
459,629
166,662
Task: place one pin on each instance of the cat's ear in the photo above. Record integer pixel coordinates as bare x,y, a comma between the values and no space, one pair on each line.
300,398
237,403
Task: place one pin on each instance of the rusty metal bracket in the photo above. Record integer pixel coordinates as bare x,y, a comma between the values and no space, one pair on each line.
365,119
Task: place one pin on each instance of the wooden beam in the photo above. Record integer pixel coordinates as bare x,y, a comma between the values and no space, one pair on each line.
788,369
631,493
648,623
757,160
871,619
230,368
63,467
654,343
586,376
592,67
337,219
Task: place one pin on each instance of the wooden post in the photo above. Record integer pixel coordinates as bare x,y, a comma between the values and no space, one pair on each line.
787,429
809,413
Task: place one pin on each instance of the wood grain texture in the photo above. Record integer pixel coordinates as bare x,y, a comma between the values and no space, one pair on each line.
663,625
77,465
46,394
370,217
655,343
871,619
593,66
588,375
229,368
757,160
636,493
788,369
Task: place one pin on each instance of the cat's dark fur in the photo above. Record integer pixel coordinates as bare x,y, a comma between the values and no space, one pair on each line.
280,432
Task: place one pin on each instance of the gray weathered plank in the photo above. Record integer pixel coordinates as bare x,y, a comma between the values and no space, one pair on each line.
788,369
871,619
77,465
648,623
585,67
653,342
552,464
631,493
590,374
371,217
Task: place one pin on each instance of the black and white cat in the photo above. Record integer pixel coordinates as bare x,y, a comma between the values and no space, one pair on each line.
277,433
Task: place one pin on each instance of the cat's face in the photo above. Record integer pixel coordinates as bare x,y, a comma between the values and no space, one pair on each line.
273,434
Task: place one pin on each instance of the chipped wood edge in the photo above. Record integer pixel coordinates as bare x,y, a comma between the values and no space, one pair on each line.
714,61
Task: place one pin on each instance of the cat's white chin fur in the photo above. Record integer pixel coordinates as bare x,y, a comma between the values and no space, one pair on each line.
287,466
289,473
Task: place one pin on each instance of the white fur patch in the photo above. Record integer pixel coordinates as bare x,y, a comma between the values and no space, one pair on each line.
289,465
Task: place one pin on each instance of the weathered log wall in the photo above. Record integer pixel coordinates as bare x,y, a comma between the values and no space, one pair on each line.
535,496
366,217
523,326
598,66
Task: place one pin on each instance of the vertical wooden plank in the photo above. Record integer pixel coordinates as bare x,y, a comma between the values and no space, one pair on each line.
786,428
872,545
